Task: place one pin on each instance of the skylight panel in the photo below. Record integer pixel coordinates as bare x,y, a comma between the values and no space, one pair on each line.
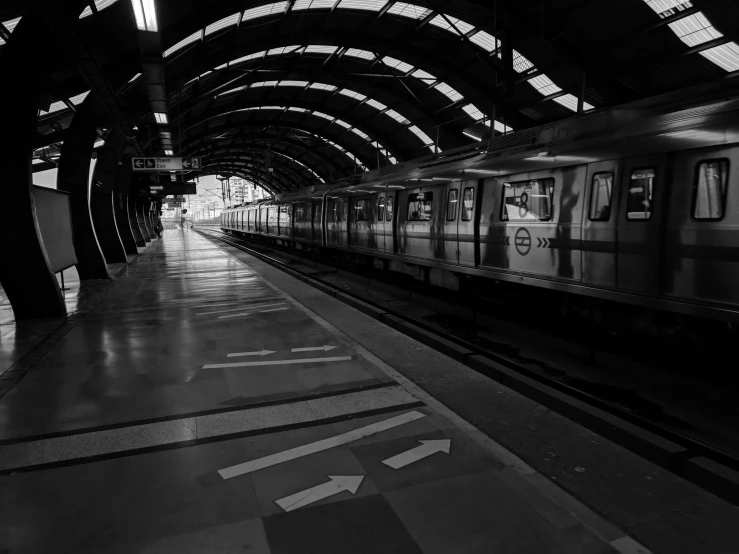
368,5
397,117
725,56
424,76
10,25
352,94
694,29
502,127
56,106
184,42
332,143
231,91
296,109
666,8
420,134
319,49
322,86
282,50
409,10
98,143
377,105
99,5
570,102
397,64
544,85
263,84
313,4
222,24
265,10
473,112
77,100
520,62
293,83
323,115
486,41
219,67
449,92
357,53
360,133
451,24
344,124
246,58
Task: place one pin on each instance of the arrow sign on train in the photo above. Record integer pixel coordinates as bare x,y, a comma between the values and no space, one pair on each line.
337,484
260,353
325,347
426,449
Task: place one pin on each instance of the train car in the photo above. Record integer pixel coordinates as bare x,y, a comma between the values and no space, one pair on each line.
643,210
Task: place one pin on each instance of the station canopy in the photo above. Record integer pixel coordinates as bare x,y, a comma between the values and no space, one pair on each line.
318,90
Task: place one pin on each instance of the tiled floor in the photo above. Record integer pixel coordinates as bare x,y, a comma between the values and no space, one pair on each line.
113,442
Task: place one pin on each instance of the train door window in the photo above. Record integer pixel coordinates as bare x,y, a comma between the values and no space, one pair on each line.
528,200
468,204
641,190
380,208
419,206
300,213
336,210
600,196
345,210
284,215
389,209
451,204
361,210
709,189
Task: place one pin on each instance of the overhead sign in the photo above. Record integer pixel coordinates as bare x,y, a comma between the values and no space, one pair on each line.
169,189
166,164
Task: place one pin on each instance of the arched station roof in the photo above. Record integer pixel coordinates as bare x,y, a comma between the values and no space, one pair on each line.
327,88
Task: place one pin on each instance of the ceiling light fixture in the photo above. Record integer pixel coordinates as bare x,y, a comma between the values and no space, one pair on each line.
146,17
168,153
161,118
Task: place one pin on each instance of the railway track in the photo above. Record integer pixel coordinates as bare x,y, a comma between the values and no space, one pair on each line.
665,446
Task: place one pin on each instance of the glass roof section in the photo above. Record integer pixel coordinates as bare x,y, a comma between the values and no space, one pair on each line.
695,29
444,22
10,25
99,5
379,106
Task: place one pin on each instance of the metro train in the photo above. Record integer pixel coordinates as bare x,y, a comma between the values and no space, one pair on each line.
629,205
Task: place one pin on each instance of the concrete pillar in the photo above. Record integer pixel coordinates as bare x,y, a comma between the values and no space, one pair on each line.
134,222
141,216
102,203
25,272
120,206
73,177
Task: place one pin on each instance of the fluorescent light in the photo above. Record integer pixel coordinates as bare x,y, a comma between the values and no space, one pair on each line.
168,153
146,17
161,118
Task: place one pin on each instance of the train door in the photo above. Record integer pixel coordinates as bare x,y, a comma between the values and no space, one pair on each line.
466,226
599,221
391,200
380,225
639,228
450,251
316,225
360,220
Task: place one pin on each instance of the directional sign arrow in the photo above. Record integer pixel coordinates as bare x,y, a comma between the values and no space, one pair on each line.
260,353
138,163
337,484
426,449
325,347
185,163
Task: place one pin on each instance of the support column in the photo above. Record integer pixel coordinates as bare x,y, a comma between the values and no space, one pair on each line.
25,272
102,201
134,222
120,206
141,216
74,177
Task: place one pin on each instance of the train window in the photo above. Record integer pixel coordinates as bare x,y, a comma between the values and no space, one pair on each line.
451,205
336,210
641,190
528,200
468,204
380,208
389,209
709,189
300,213
419,206
600,196
361,209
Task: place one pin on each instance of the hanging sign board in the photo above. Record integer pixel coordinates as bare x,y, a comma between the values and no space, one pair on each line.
166,164
170,189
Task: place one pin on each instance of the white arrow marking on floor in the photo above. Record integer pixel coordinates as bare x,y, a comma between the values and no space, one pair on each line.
319,446
280,362
426,449
325,347
274,310
260,353
337,484
241,308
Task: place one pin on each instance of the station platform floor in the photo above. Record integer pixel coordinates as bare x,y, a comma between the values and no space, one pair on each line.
204,401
